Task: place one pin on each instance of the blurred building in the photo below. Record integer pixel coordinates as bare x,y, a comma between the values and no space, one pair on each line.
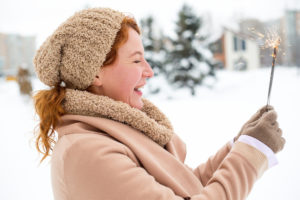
237,47
236,51
288,29
291,25
16,51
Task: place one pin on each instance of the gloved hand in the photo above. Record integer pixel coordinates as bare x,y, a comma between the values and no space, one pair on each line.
265,129
254,118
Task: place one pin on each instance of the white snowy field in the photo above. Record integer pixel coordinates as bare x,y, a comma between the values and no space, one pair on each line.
204,122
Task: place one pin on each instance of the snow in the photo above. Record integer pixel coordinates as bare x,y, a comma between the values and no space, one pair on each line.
187,33
205,123
202,48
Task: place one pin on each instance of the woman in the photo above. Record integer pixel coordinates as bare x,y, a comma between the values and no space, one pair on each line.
112,143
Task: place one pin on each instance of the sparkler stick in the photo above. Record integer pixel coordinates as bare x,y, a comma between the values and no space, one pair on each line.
272,74
275,44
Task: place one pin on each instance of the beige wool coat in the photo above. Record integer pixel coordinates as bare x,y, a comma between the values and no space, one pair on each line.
100,157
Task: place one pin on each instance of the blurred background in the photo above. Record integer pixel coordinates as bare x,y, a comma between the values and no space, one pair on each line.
212,67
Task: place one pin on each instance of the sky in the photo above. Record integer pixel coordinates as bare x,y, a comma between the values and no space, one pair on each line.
41,17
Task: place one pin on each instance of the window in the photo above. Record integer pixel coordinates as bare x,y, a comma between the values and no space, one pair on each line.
235,40
243,45
239,44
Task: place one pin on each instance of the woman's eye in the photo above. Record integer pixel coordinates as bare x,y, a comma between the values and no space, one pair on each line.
137,61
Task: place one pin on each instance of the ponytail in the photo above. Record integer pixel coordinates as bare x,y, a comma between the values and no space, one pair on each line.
48,106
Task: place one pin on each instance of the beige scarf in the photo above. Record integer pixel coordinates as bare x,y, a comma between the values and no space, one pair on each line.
149,120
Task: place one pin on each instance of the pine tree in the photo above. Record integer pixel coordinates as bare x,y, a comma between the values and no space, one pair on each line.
189,61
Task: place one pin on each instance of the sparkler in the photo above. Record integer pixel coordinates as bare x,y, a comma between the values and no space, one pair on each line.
272,40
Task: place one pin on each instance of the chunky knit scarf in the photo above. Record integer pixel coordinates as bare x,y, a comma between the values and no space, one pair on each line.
149,120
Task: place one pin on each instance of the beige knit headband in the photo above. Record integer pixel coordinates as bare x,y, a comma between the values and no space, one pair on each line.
77,49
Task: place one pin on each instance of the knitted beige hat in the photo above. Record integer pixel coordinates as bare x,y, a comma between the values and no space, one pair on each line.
77,49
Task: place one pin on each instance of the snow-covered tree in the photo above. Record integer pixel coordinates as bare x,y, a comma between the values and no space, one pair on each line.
190,60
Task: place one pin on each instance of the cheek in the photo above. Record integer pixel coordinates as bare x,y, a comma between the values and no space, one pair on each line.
129,79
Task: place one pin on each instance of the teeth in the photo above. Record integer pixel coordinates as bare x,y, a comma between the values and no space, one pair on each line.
138,89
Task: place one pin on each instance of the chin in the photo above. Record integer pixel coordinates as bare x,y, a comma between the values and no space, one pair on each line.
138,105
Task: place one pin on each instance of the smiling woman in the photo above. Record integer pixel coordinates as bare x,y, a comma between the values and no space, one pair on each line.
112,143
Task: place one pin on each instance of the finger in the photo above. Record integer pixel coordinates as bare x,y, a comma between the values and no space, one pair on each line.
282,141
265,108
270,117
278,144
279,131
256,116
260,112
252,124
275,125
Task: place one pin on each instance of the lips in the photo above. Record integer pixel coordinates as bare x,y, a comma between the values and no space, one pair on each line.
138,89
138,92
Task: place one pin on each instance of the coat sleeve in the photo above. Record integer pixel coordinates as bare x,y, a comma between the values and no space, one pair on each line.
105,171
205,171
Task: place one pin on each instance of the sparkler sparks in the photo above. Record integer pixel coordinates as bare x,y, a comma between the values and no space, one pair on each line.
272,39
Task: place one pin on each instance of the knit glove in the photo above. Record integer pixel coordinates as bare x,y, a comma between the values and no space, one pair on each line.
264,127
254,118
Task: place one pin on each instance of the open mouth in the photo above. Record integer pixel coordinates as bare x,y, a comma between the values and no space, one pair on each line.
138,90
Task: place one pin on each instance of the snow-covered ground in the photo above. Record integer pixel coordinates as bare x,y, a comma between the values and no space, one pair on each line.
204,122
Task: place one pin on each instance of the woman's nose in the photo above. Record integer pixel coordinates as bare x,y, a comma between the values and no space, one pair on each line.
148,72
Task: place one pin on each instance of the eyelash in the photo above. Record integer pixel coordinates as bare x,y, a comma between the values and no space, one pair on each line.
137,61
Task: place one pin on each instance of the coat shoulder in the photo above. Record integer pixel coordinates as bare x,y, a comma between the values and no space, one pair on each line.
80,159
84,144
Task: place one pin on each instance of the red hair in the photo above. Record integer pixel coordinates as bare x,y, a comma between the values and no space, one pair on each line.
48,103
121,38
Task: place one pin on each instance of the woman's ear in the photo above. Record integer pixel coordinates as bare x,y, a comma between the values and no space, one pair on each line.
96,86
98,80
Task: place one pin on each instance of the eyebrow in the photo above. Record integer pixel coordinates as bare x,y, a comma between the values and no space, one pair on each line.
136,52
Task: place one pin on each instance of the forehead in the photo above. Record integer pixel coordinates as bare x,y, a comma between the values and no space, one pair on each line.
132,45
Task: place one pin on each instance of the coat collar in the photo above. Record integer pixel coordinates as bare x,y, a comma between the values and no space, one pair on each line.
149,120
